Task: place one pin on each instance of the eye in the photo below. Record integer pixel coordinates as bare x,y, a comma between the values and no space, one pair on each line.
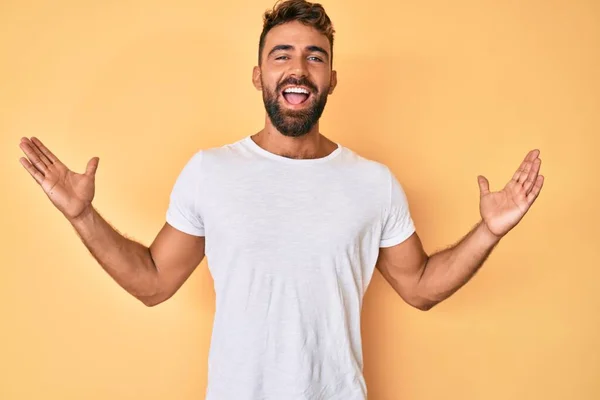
282,58
314,58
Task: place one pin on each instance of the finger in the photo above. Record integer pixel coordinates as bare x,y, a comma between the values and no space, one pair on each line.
45,150
37,175
517,173
34,159
532,176
523,168
524,173
530,170
39,153
535,191
92,166
484,185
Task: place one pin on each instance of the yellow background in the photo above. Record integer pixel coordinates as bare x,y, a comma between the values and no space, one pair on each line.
439,91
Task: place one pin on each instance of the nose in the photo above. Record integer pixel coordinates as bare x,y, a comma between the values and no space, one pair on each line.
299,66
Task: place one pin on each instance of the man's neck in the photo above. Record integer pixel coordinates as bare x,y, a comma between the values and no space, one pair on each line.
309,146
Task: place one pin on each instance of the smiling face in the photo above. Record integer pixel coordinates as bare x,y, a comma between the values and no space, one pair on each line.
295,77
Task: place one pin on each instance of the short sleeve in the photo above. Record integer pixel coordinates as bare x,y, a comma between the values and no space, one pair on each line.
182,213
397,221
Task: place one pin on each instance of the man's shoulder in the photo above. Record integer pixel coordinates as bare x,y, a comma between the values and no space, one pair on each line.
215,152
365,163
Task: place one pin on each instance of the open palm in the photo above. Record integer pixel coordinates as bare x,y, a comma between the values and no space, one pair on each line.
502,210
70,192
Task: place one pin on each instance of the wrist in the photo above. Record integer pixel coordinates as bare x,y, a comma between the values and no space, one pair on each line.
83,217
487,235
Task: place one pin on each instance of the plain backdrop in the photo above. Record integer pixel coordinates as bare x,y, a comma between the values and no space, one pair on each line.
439,91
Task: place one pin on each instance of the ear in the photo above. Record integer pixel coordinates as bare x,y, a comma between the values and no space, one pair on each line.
333,81
256,78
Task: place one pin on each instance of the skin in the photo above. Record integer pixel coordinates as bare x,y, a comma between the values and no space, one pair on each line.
298,62
153,274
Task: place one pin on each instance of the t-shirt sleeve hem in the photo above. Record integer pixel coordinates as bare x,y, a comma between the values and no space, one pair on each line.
397,239
185,228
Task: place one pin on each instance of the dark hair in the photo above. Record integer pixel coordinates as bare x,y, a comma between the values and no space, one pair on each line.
311,14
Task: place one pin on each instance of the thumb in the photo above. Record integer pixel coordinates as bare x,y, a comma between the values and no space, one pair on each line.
484,185
92,166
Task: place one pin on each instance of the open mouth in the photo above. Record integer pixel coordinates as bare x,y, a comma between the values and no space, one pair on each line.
296,95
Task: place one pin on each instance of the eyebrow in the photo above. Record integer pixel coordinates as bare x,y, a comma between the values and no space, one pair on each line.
312,48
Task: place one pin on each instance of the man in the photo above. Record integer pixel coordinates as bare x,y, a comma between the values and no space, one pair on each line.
293,226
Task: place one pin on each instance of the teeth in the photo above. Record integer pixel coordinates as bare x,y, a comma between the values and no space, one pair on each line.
296,90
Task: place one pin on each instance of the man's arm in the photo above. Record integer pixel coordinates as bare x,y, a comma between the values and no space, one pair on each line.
152,274
423,281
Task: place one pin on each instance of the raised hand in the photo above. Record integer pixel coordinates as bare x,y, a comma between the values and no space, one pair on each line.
502,210
70,192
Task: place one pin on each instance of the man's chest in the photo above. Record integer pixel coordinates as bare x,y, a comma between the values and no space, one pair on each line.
288,217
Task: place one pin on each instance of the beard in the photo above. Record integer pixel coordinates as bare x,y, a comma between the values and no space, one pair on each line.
294,123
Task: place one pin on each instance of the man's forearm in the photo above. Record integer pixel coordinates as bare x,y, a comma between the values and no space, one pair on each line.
129,263
448,270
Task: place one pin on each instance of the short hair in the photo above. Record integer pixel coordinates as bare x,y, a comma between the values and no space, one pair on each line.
310,14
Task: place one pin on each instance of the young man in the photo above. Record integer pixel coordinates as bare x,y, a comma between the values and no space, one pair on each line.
293,226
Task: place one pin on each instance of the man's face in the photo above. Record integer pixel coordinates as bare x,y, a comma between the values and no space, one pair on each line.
295,77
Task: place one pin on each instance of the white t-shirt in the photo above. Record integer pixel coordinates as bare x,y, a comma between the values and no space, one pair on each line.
291,245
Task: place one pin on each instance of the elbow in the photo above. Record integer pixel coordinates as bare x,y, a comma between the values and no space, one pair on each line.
155,299
424,299
150,301
417,300
151,297
422,303
423,306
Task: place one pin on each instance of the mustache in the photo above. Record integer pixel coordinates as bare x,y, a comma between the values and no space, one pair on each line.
303,81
